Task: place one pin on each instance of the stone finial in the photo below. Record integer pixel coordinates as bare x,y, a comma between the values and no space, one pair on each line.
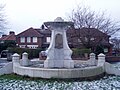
59,19
15,57
92,59
101,55
101,59
92,54
25,61
25,55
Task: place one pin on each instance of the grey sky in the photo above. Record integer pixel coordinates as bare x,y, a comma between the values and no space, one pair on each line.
23,14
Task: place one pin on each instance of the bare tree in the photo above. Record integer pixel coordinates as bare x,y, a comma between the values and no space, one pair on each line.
116,45
84,17
89,38
2,19
116,42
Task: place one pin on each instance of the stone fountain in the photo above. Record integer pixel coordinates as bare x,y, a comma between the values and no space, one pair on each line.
58,53
59,63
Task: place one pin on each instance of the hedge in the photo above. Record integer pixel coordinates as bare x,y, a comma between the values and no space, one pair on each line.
32,53
80,52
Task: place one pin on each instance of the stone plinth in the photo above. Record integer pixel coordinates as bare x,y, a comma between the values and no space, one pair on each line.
25,61
92,59
101,59
15,58
58,53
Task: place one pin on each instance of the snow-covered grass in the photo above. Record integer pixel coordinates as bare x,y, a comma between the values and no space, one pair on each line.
117,65
13,82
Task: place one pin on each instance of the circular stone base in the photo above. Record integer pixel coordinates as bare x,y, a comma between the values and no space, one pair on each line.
58,73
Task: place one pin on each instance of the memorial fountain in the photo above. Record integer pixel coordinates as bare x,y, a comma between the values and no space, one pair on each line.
59,63
58,53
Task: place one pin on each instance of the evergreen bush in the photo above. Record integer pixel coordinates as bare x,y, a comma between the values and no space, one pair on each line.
32,53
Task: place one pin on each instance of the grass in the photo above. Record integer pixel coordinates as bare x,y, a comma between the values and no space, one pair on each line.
13,76
27,78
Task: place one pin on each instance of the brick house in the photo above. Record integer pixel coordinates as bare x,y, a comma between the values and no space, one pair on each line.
30,38
34,38
90,38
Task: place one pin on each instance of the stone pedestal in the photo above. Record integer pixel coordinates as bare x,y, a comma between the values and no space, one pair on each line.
25,61
16,58
92,59
101,59
58,53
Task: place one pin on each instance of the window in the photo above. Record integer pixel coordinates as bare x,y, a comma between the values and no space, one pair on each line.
86,39
28,39
48,39
79,40
92,39
22,39
106,50
34,39
22,46
32,46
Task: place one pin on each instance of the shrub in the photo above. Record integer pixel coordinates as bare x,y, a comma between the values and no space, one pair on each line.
32,53
6,44
80,52
99,49
85,50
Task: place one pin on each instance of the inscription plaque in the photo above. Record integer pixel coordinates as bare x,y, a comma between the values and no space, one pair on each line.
59,41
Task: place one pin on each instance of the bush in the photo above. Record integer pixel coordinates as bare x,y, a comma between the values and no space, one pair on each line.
99,49
6,44
85,50
32,53
80,52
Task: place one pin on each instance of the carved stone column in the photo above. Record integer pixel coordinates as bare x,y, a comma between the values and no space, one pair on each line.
58,53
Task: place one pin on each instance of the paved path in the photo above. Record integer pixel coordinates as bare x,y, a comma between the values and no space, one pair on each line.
3,60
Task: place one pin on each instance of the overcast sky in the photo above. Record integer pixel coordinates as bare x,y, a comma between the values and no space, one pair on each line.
22,14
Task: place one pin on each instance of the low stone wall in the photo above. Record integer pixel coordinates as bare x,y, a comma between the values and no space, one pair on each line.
58,73
110,69
7,68
24,68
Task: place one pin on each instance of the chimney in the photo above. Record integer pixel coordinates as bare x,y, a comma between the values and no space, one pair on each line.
4,35
11,32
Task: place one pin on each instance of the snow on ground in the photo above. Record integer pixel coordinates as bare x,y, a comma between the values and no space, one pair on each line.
106,83
117,65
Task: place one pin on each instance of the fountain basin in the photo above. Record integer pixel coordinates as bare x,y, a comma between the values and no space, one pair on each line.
57,72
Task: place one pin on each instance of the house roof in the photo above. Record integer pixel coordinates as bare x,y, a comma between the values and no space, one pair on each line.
45,31
8,37
91,31
31,32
